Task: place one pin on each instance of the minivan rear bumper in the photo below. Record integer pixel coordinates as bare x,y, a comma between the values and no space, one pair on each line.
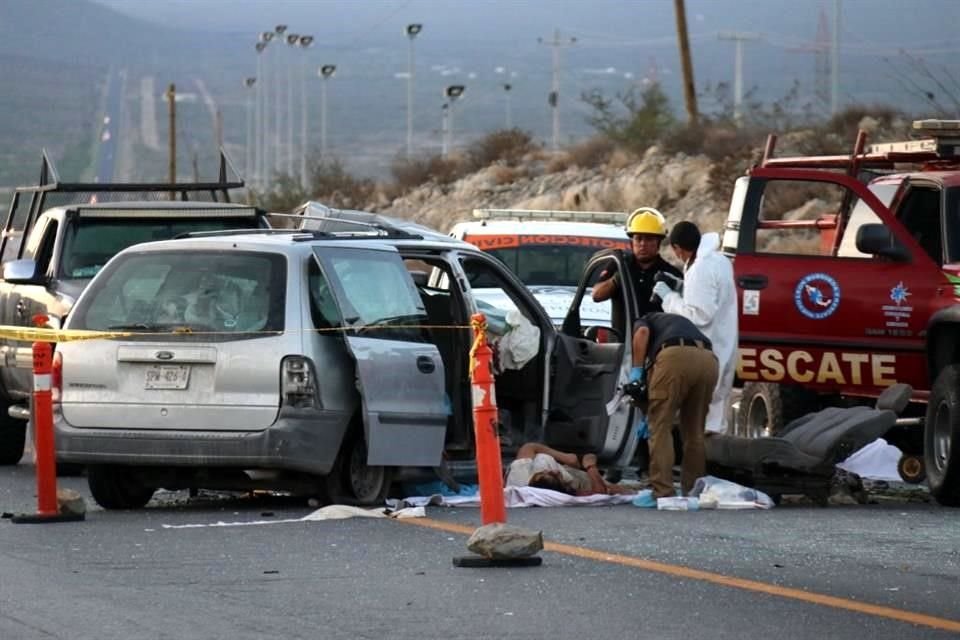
306,441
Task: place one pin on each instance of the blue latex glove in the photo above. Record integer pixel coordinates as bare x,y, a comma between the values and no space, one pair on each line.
642,428
636,374
661,289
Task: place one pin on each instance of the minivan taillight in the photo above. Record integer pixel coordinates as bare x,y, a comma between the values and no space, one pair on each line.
56,377
298,383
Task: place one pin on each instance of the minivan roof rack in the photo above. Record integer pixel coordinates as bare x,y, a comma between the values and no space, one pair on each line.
345,222
73,192
247,232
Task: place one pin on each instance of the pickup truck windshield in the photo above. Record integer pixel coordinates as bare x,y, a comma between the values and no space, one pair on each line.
90,242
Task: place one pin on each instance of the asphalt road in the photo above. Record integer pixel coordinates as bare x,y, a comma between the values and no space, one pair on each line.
887,570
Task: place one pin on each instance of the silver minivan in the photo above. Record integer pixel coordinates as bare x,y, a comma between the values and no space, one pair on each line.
332,361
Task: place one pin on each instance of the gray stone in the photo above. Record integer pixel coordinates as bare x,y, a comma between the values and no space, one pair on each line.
70,502
505,541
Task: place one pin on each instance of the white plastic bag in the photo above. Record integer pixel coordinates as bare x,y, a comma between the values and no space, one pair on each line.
520,343
730,495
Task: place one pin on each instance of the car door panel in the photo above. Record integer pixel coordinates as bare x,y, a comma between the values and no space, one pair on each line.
587,405
400,379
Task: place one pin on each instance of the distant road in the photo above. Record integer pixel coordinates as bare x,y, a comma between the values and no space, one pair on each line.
148,115
107,148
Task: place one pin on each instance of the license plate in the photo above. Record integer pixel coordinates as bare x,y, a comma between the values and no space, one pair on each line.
167,376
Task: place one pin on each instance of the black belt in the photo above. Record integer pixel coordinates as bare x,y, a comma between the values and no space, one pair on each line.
683,342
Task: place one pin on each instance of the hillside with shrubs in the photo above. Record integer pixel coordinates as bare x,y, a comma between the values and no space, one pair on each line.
641,155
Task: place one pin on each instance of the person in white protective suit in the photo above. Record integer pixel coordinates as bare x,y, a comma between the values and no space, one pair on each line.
709,300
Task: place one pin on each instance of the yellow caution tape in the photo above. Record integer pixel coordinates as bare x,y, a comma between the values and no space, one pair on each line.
46,334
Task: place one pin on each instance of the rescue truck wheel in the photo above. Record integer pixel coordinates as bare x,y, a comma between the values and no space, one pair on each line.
117,487
941,437
352,481
911,469
765,408
13,436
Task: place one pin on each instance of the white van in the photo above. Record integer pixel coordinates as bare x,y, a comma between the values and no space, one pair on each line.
547,250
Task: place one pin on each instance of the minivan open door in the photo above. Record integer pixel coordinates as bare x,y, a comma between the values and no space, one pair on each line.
588,408
399,373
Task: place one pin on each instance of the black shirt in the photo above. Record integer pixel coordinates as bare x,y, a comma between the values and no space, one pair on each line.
643,281
669,326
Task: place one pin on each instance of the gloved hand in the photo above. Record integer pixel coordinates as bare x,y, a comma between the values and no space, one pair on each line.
660,291
637,390
672,281
643,429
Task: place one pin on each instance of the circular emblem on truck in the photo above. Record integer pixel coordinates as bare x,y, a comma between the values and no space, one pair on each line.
817,296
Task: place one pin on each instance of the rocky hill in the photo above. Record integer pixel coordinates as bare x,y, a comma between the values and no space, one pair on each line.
678,185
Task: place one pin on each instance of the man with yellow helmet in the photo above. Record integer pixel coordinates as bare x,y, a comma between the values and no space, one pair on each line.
646,228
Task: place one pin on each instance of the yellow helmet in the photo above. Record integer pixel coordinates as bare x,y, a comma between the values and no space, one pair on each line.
646,220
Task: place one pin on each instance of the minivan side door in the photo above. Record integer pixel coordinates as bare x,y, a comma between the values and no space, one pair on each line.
400,375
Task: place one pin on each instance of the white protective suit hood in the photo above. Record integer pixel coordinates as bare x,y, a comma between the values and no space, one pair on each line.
709,300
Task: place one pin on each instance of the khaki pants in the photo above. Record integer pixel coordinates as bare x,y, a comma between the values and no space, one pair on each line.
682,378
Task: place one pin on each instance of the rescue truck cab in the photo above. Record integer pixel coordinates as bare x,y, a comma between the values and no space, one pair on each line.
848,277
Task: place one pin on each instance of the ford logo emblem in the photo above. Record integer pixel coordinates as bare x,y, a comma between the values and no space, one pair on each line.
164,355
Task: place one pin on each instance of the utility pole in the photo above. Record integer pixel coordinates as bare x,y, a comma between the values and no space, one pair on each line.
835,60
738,39
686,63
507,87
553,99
305,43
172,135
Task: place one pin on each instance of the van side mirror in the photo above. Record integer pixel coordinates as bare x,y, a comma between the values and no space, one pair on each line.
877,239
22,272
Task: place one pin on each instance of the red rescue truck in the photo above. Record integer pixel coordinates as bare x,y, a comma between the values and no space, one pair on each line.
848,275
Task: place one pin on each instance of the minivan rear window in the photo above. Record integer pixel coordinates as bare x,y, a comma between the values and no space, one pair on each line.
214,293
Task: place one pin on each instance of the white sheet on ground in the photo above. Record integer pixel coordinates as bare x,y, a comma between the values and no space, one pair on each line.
521,497
876,461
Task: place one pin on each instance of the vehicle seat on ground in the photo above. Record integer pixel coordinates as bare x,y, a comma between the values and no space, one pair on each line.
801,460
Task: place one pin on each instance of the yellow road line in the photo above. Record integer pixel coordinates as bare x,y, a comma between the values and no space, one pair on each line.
891,613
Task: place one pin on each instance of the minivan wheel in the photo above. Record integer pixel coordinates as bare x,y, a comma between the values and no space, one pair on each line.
353,481
116,487
941,437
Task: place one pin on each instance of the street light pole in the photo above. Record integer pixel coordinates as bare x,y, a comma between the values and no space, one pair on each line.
507,87
293,40
452,93
260,133
305,42
263,171
249,84
280,30
325,72
412,31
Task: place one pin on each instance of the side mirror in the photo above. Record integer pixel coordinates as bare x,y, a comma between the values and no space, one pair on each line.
21,272
876,239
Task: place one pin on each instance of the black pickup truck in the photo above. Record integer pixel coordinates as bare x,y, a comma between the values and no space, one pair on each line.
57,236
